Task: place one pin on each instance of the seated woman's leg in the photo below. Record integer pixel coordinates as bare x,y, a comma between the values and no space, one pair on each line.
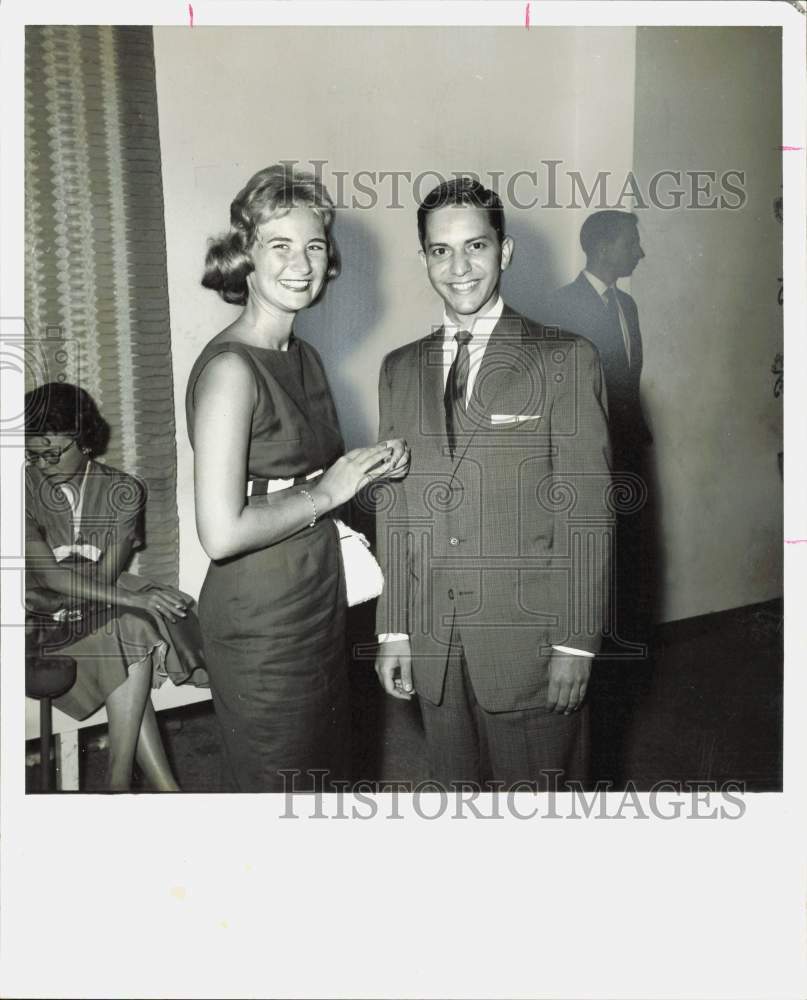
151,758
125,707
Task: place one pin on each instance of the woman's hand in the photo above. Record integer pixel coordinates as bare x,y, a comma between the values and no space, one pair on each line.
43,601
163,602
399,460
351,472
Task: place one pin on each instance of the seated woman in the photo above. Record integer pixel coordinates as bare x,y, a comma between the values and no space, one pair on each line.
83,522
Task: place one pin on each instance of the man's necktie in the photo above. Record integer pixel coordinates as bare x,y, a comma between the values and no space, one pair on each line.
456,386
616,321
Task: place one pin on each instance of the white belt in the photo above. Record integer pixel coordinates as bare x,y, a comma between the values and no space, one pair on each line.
257,487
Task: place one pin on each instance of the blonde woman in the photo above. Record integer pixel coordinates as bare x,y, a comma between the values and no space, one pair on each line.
269,468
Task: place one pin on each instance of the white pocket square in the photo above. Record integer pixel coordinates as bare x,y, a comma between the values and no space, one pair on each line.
513,418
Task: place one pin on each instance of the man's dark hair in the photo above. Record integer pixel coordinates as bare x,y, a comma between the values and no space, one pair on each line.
461,191
603,227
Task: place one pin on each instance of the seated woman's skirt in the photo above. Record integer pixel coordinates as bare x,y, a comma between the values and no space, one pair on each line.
104,651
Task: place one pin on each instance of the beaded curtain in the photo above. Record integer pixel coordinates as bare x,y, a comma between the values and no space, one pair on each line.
96,293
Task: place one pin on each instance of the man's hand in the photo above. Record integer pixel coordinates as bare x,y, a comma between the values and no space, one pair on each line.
393,664
568,679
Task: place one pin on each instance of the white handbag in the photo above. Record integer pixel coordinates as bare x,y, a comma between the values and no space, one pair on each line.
363,577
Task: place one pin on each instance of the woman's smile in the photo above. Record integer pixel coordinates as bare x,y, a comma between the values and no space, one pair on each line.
291,261
295,284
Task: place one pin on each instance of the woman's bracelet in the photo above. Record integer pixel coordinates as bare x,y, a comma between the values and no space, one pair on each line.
305,493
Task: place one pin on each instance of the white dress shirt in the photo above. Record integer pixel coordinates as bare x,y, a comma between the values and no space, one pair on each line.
601,288
480,330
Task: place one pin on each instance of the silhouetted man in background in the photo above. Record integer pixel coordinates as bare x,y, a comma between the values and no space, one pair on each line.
594,307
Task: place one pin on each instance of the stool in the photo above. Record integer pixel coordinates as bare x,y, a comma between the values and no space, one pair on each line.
46,678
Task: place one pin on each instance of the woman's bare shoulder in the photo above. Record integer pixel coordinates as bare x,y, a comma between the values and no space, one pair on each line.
223,368
226,370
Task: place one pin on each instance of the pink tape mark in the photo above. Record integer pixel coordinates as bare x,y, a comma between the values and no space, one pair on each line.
527,16
795,541
786,148
190,12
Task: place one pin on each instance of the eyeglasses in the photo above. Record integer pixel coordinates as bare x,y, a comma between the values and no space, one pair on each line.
52,456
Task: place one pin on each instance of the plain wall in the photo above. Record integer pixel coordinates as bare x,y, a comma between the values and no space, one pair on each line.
709,98
233,100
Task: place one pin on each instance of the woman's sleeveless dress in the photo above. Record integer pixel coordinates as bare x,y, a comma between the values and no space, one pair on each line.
274,620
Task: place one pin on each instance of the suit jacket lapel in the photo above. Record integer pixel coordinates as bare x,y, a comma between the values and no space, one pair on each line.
593,300
632,316
613,341
432,419
501,362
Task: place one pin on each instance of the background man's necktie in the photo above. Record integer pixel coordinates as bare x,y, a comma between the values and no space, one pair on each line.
616,322
456,385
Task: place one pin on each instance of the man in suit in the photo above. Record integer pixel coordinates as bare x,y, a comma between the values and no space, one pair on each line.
493,543
594,307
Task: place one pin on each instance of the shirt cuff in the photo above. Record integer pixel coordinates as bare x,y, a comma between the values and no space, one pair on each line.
395,636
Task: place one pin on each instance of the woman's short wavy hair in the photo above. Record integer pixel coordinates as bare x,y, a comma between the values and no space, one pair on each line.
64,408
270,194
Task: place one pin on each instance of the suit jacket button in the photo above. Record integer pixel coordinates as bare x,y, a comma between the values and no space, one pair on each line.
453,541
451,593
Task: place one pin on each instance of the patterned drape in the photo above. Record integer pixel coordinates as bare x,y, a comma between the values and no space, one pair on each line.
96,286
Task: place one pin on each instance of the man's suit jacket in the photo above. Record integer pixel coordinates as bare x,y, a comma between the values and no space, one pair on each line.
579,308
510,535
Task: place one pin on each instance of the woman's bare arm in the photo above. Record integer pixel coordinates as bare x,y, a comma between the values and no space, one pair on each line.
87,582
90,581
225,397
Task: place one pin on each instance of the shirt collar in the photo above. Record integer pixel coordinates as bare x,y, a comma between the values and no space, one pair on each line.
598,284
483,324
